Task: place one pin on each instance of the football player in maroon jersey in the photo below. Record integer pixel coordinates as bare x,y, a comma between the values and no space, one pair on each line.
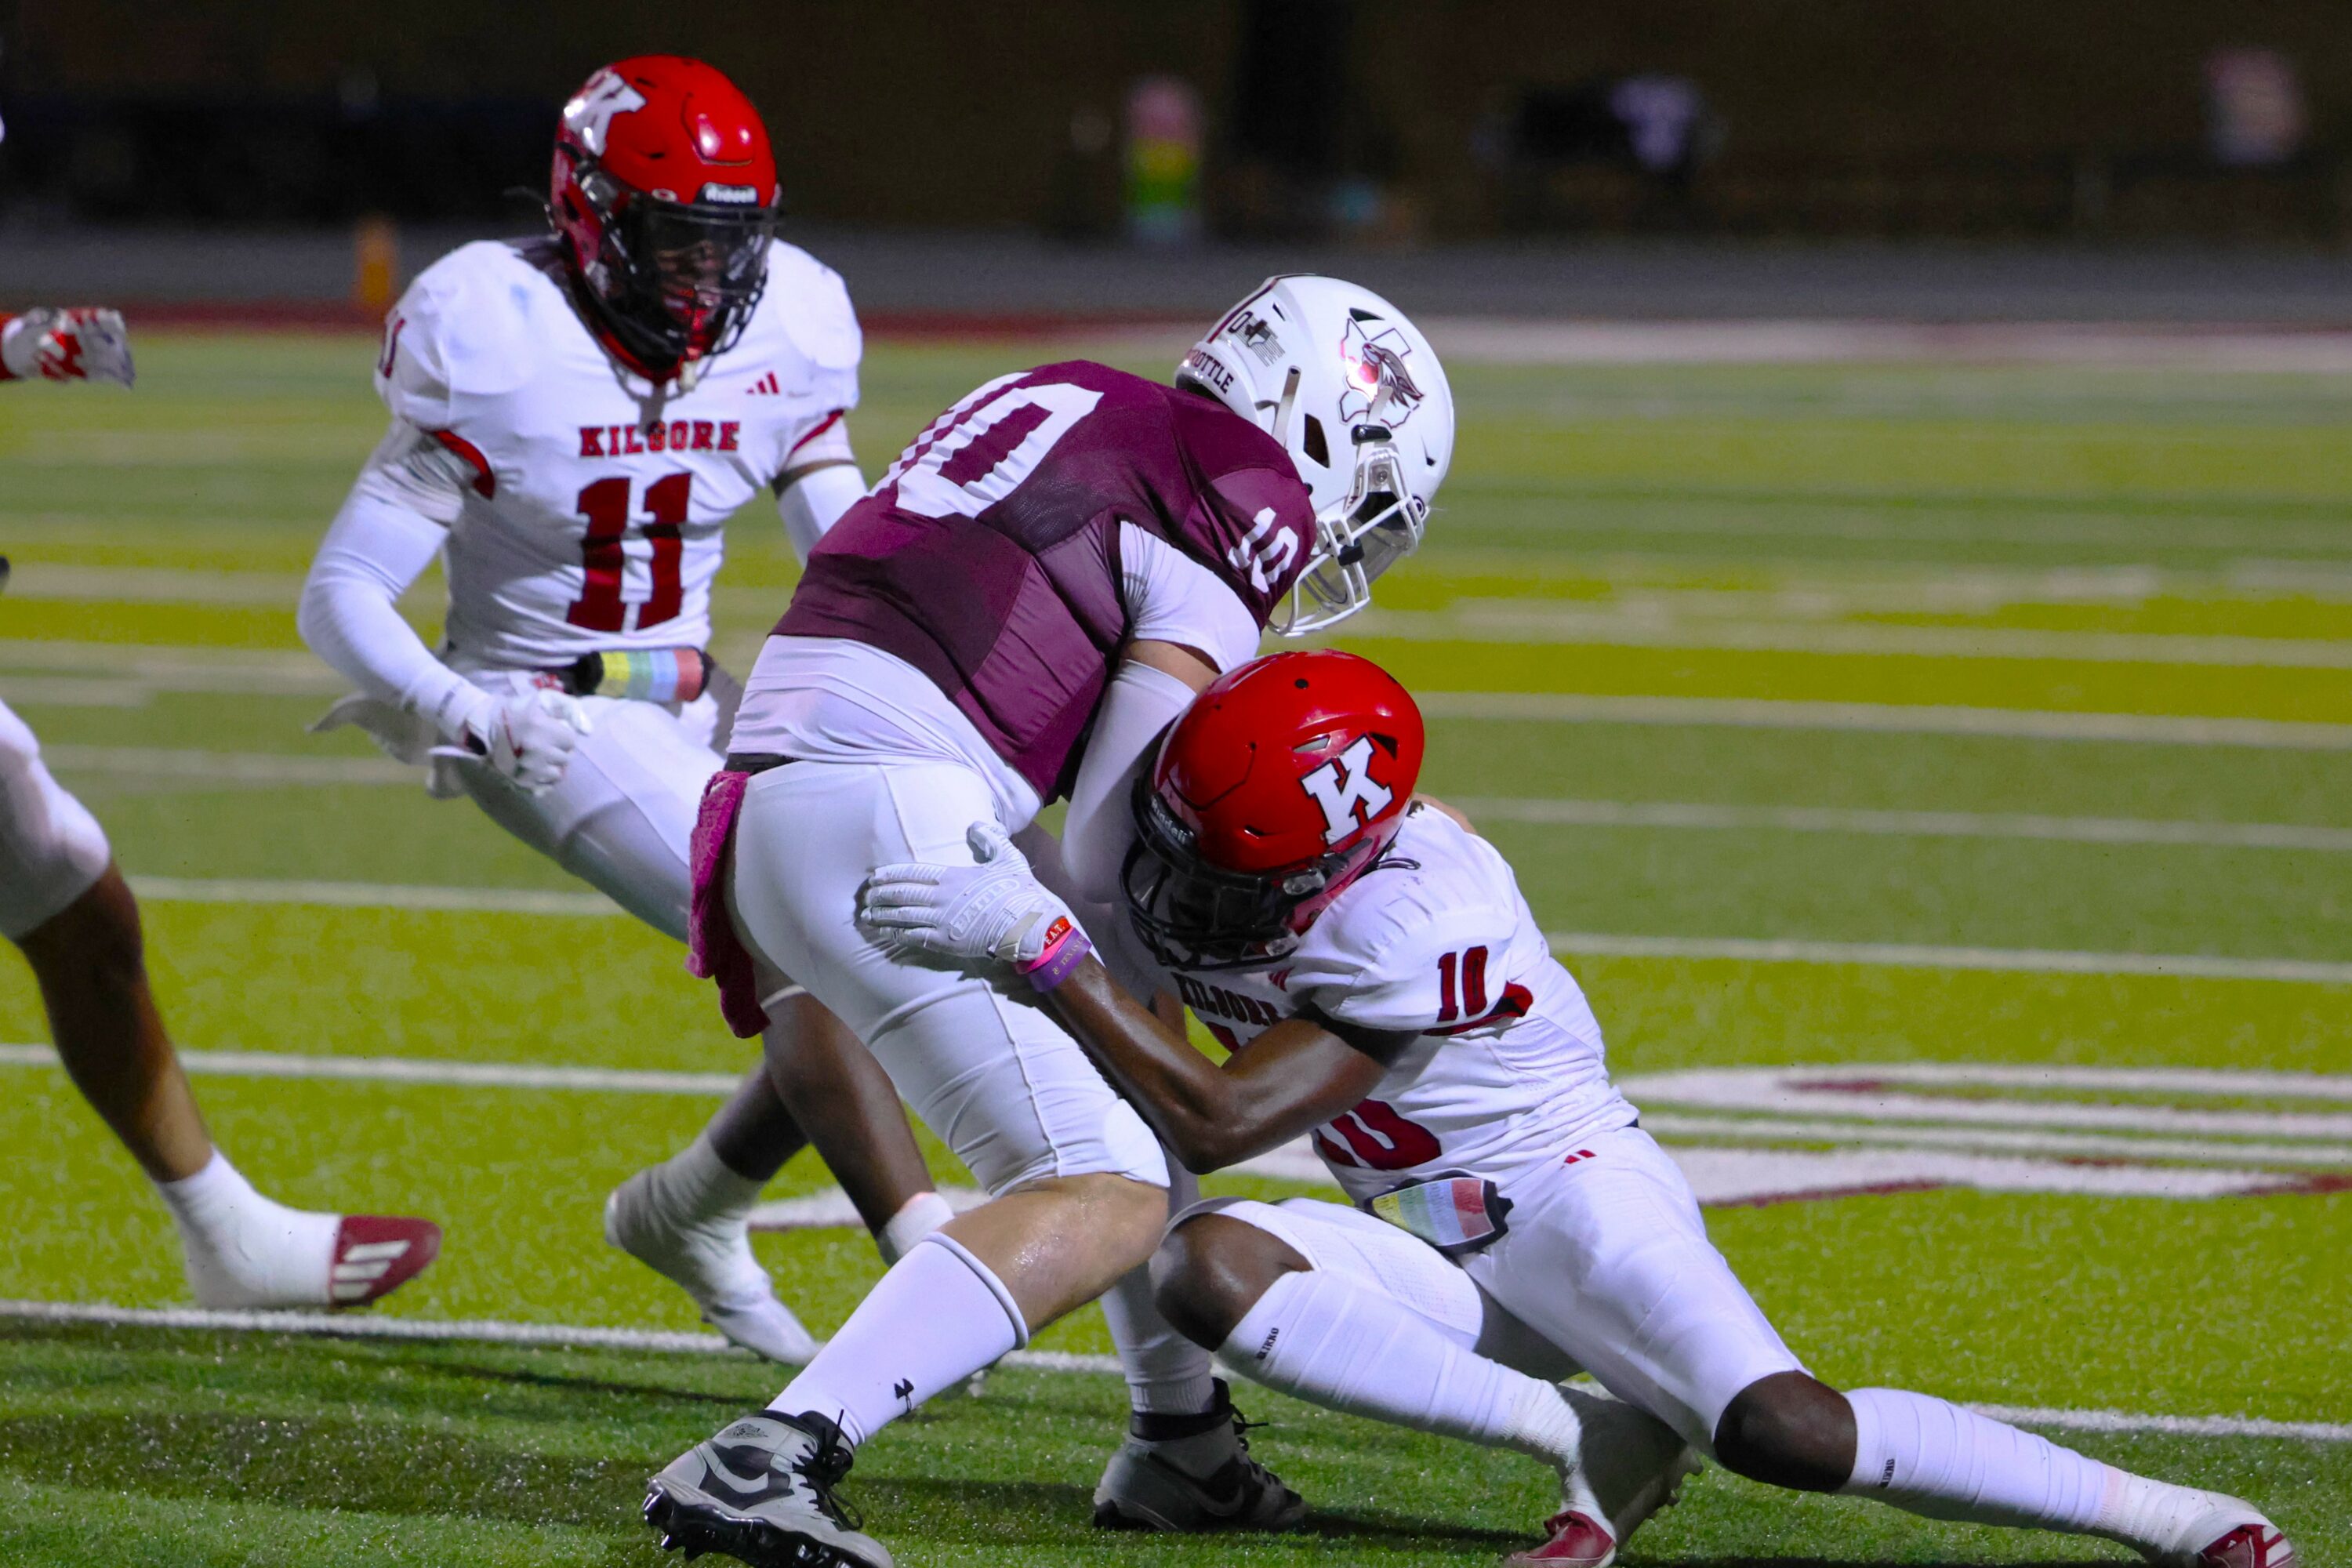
1032,593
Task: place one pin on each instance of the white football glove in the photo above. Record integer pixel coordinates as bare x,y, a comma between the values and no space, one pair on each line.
996,910
529,737
68,345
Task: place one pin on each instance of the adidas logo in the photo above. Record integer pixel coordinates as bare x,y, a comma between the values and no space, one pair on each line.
767,386
361,1266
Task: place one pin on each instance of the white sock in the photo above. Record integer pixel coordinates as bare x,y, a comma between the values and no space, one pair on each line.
695,1187
916,1218
938,1317
1166,1374
1339,1345
1929,1457
243,1250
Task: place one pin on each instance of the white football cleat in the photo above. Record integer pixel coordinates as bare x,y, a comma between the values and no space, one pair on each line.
711,1261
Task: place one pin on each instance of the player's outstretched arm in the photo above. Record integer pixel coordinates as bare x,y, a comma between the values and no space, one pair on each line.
1292,1078
995,912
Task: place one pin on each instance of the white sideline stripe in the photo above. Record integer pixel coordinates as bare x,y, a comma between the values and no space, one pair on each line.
583,1337
372,896
2240,1082
1906,823
237,767
333,1325
72,691
423,1070
1887,718
1903,955
1506,621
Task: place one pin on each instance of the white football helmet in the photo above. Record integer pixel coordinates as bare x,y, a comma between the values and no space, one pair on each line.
1355,393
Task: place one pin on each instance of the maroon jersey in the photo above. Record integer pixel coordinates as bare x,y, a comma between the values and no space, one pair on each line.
988,556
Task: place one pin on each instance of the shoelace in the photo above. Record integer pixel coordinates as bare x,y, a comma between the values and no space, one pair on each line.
824,1468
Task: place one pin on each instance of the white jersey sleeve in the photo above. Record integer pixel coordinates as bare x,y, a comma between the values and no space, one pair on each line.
1409,959
823,327
455,334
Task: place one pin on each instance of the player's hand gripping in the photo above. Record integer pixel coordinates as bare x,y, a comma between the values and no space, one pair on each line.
67,345
529,738
994,910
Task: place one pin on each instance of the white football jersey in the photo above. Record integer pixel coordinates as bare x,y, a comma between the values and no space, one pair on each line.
591,519
1507,1070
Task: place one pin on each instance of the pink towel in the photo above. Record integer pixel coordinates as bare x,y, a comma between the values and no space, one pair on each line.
713,950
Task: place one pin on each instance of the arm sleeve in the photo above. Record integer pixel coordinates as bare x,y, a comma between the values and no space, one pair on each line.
814,503
1171,597
396,518
1140,704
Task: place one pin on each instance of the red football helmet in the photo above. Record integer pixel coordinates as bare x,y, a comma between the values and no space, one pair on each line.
1283,782
664,198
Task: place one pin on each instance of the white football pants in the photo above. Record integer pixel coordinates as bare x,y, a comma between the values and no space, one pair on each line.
1607,1261
51,849
622,814
984,1066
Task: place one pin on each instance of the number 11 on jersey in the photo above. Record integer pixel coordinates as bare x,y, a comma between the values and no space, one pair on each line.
606,505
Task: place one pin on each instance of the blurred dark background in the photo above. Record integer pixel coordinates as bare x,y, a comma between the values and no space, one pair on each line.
2122,124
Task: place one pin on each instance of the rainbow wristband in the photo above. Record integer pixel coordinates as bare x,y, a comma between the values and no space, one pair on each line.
1066,947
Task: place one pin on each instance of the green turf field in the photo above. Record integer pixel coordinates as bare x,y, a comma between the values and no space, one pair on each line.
1873,718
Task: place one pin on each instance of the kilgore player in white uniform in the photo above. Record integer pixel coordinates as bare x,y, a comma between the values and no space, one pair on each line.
1033,593
574,418
1382,985
67,909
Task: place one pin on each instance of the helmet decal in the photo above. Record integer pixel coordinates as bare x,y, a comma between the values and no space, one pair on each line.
1376,367
1344,788
1256,334
590,115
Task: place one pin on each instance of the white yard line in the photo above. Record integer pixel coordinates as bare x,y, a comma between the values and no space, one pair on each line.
357,1326
423,1070
1906,823
228,767
1905,955
153,584
1507,622
279,768
1887,718
372,896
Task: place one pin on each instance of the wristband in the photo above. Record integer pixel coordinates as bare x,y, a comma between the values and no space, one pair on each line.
1066,947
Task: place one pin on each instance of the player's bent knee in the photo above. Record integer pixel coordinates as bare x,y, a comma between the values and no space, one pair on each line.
1789,1430
96,936
1211,1271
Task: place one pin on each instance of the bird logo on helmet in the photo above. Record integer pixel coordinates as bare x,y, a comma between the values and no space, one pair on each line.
1355,396
1286,781
663,195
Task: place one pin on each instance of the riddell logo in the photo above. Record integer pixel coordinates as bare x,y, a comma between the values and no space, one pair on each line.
1266,1348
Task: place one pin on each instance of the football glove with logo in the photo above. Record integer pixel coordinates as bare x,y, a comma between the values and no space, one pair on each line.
85,344
994,910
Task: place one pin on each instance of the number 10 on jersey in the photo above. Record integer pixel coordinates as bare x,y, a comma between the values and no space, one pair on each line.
606,505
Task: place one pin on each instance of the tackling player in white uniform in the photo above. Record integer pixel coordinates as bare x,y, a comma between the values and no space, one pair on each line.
67,909
573,419
1383,982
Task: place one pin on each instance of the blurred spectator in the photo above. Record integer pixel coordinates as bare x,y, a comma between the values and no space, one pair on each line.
2256,116
1164,161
